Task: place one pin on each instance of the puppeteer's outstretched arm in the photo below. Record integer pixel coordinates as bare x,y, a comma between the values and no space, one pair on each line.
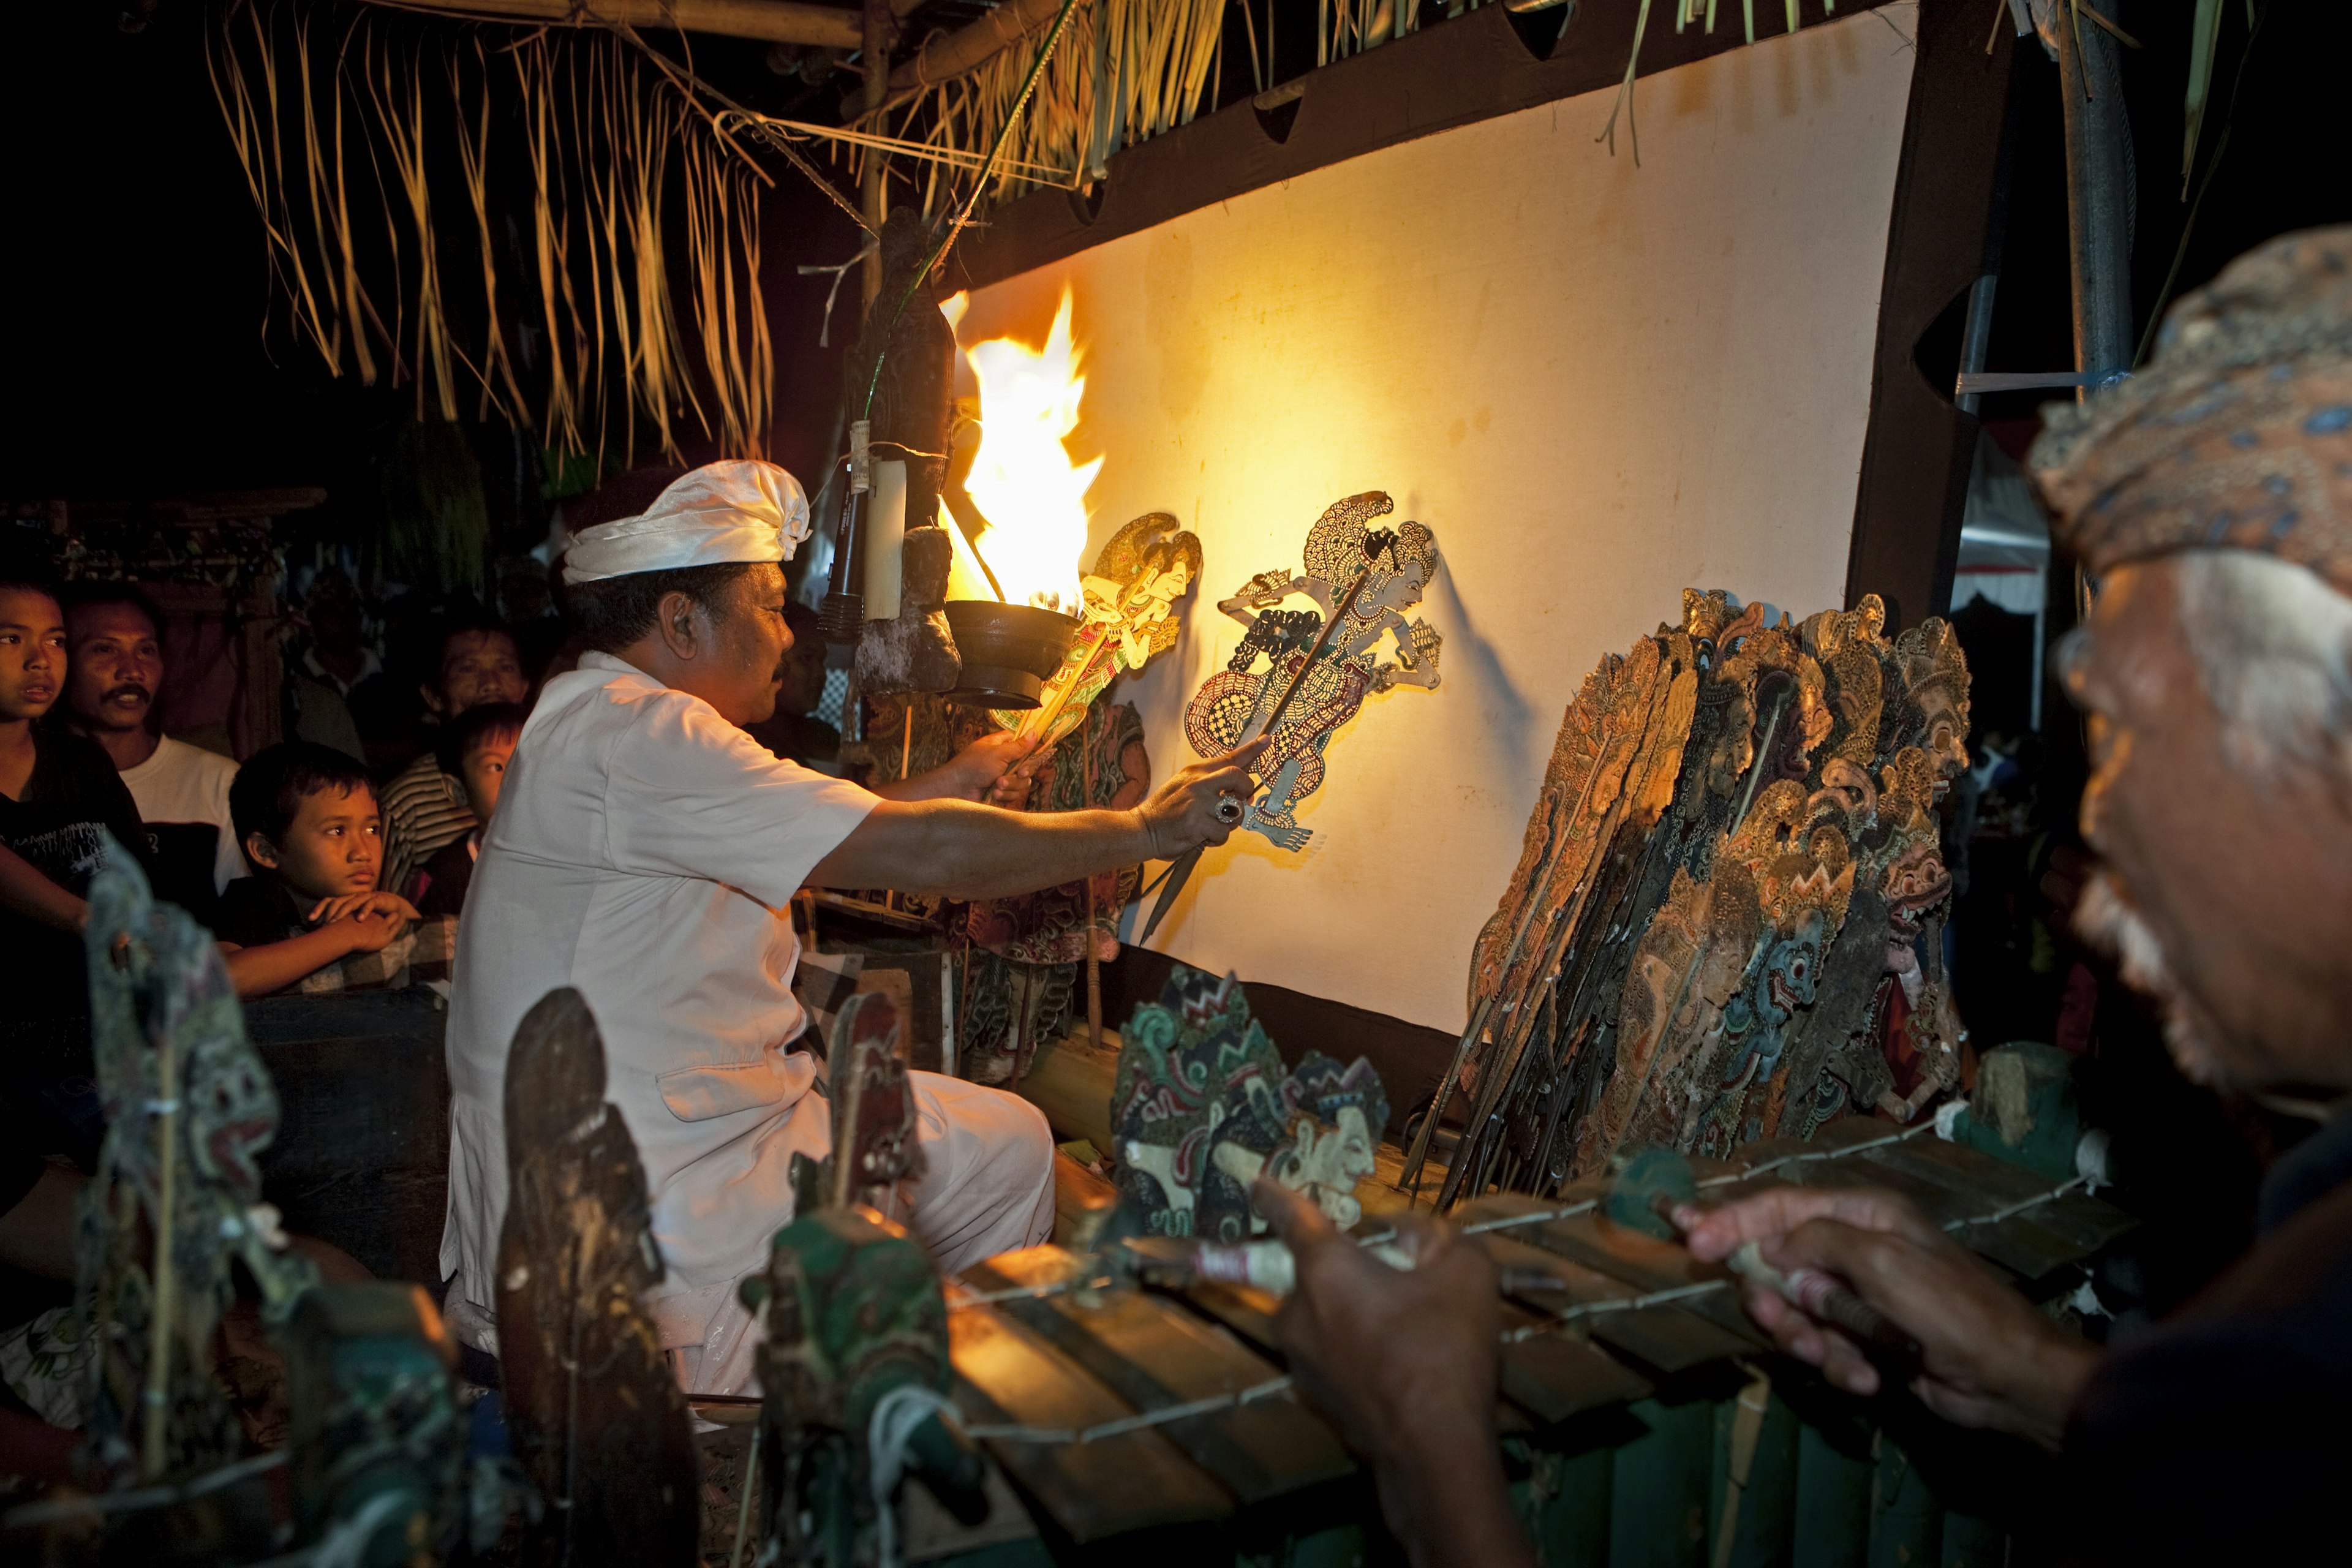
962,850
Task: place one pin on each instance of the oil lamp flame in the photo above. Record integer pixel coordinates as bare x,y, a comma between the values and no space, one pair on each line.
1023,479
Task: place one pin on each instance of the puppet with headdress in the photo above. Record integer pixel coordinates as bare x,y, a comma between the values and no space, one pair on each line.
1020,977
1361,580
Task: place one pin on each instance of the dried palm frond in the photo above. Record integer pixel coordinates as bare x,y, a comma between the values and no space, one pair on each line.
568,321
1124,71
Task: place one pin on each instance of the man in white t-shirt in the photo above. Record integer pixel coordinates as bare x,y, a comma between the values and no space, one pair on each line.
114,668
646,851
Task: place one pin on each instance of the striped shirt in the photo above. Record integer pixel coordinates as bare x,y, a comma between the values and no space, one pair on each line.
424,808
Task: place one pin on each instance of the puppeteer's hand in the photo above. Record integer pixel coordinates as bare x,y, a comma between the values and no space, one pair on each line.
1181,814
1987,1359
971,774
980,765
1404,1364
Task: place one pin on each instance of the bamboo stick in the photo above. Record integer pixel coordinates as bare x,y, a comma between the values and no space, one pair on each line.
165,1302
961,53
880,29
770,21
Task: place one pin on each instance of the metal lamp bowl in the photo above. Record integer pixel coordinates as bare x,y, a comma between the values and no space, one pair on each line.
1008,650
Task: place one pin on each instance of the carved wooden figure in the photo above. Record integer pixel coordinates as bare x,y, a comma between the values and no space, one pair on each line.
1724,923
1129,613
176,1199
598,1421
1202,1105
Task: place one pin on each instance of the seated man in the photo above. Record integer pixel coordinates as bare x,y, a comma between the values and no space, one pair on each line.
61,802
2209,494
114,636
474,751
646,851
424,805
308,818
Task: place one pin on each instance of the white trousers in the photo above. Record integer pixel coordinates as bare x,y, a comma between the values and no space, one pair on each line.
987,1188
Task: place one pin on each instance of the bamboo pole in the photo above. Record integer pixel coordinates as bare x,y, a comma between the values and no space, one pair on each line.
961,53
770,21
165,1297
880,28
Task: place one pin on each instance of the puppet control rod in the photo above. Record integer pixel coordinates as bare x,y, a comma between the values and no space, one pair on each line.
843,617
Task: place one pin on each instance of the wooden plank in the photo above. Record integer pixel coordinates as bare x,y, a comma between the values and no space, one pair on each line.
1249,1312
1154,1355
2022,1252
2020,1243
1668,1340
1553,1375
2075,1216
1077,1192
1135,1481
1646,1263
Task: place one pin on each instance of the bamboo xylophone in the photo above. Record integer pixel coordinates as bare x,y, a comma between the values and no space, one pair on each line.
1116,1410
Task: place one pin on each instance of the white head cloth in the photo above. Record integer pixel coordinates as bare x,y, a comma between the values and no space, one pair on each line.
739,510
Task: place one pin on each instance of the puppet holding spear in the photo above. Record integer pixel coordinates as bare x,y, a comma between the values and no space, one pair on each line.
1318,667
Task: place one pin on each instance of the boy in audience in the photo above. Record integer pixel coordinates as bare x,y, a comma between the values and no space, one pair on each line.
425,807
474,751
312,917
114,638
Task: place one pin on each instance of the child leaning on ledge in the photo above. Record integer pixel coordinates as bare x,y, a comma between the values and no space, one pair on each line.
311,919
474,749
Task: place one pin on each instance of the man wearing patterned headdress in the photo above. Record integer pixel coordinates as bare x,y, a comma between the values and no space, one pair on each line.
2211,497
646,850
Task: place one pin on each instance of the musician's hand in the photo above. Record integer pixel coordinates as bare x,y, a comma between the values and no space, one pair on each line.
1181,814
1988,1358
1404,1364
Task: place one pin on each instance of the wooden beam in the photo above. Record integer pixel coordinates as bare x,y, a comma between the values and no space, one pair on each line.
770,21
960,53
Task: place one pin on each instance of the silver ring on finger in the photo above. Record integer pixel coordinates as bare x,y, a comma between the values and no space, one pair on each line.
1229,808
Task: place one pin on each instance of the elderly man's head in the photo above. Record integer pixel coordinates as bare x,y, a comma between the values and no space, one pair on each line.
2212,499
2219,686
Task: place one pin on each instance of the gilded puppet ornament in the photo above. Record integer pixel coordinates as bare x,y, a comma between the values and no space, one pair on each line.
1128,612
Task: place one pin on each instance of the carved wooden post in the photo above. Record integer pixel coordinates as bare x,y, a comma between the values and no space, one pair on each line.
598,1420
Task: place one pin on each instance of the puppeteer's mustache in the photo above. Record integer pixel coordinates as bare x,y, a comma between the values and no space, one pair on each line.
128,689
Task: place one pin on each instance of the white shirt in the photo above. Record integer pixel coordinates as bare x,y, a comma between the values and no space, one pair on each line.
646,851
181,783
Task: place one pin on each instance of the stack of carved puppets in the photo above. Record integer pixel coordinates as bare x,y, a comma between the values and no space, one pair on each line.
1726,922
